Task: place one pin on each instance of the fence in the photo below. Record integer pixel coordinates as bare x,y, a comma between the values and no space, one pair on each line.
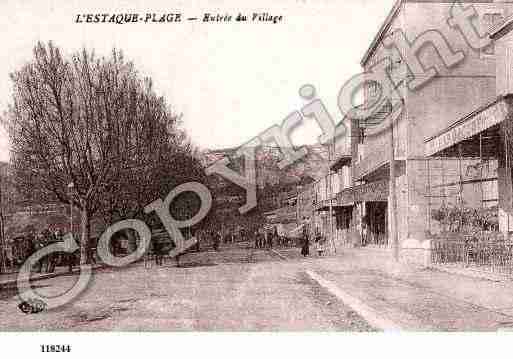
491,256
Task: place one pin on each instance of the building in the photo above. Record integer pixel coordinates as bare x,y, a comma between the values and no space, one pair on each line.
449,143
333,213
483,137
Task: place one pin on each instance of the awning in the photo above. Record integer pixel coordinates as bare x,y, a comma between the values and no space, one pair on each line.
370,192
282,215
370,164
341,161
467,127
323,206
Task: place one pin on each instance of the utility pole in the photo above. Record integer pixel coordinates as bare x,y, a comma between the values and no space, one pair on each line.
330,198
393,196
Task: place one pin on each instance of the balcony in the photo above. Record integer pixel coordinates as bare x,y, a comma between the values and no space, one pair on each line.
341,160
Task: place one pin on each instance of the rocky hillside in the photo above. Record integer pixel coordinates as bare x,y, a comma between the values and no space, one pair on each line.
311,167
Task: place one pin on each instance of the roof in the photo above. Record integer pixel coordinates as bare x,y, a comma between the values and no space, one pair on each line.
465,118
382,31
502,29
393,14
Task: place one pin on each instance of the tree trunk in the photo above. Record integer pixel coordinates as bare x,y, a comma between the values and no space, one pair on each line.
84,235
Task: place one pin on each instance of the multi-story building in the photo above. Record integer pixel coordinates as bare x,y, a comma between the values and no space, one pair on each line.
433,168
333,214
482,139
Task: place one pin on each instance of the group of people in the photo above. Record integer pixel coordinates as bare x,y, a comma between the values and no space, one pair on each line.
218,236
265,238
318,239
20,249
43,239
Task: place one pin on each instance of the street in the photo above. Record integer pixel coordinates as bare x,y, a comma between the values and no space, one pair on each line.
236,289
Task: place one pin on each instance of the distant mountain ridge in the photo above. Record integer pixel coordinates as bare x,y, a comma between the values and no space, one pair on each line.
313,166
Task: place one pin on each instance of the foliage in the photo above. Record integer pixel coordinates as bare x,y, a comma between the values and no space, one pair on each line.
461,218
95,123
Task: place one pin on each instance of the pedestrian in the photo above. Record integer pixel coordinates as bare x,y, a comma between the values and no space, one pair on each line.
92,251
320,244
256,235
38,244
305,245
276,236
9,257
162,245
210,237
217,240
365,232
157,249
223,236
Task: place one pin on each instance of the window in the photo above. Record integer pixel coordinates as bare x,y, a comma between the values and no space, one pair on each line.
361,135
395,63
490,20
371,90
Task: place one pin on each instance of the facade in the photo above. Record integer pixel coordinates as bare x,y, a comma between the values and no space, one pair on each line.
285,218
449,143
332,214
482,139
451,95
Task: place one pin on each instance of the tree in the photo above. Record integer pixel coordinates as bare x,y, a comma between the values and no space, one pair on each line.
170,165
87,120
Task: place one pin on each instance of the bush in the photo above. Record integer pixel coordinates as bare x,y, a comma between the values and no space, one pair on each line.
459,219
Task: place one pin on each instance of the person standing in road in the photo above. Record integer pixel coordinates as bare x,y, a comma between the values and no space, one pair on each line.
217,240
256,235
258,238
305,247
276,236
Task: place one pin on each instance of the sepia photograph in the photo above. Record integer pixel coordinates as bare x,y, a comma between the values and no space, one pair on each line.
291,167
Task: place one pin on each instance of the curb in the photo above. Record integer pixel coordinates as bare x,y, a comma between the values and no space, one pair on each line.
369,314
13,282
473,274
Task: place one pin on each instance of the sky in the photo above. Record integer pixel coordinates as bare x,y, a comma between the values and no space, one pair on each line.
230,81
